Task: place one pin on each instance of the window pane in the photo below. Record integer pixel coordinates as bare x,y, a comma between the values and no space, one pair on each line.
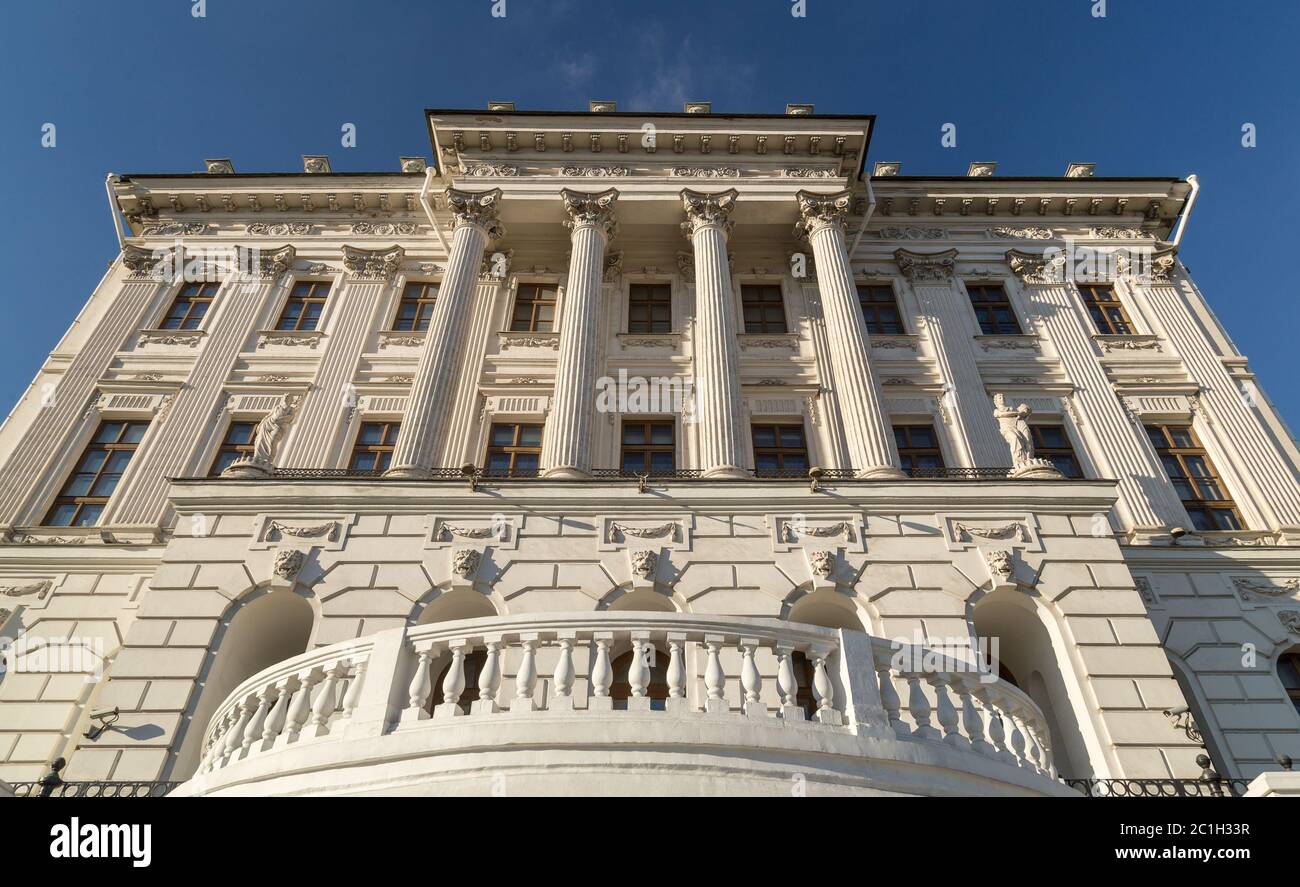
526,462
661,461
634,462
89,515
661,434
503,435
633,434
764,436
530,435
791,436
370,435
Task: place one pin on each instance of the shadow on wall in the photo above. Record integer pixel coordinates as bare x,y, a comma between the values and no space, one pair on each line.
1025,651
256,632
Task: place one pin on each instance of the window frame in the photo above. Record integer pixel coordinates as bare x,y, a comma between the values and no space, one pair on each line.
80,502
515,449
668,302
971,286
859,286
1193,481
911,452
225,445
647,450
422,300
1042,450
554,302
310,299
780,451
207,301
391,428
1097,309
779,286
1290,658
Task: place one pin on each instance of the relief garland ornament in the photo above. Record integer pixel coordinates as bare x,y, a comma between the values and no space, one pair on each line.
843,528
616,529
1286,588
40,589
1014,529
329,530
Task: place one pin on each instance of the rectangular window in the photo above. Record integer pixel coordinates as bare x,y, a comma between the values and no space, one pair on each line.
918,450
1052,442
880,309
190,306
649,447
1106,310
1288,669
303,309
650,308
514,450
1193,476
534,308
992,309
236,445
764,308
98,471
373,450
780,451
415,307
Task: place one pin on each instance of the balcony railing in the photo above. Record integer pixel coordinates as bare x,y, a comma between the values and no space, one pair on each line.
855,685
825,475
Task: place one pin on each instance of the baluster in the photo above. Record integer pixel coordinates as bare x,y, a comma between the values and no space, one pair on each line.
562,697
327,699
236,737
918,706
997,730
217,743
453,685
526,679
638,675
489,681
300,707
253,731
824,691
751,681
676,676
421,687
1019,738
715,679
279,714
890,701
973,721
788,685
945,712
353,697
1036,754
602,675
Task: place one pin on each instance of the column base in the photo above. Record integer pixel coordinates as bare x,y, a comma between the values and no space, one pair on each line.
883,472
726,471
1035,469
409,471
565,472
246,468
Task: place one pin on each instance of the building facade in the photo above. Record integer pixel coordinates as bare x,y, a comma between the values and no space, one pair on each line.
646,453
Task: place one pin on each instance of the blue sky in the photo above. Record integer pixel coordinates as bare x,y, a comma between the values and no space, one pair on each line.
1154,88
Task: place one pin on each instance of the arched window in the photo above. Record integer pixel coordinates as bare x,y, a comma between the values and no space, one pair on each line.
1288,669
657,690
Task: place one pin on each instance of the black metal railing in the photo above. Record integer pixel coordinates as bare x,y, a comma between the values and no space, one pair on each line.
466,473
1218,787
959,473
100,789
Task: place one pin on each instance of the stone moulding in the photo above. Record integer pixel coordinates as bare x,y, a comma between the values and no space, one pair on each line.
188,338
293,338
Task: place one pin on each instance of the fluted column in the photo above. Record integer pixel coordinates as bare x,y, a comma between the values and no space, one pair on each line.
719,420
857,390
566,445
476,215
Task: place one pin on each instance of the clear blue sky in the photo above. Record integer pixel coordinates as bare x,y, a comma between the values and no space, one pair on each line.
1154,88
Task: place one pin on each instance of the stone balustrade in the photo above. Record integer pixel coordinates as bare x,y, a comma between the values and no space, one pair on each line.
750,674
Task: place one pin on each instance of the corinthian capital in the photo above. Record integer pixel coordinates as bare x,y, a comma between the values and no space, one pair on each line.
478,208
378,264
926,266
818,211
591,209
1042,268
271,263
705,210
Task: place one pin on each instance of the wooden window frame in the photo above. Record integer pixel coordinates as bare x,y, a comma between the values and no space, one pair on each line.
764,324
391,428
1100,310
871,310
780,451
204,294
977,304
81,502
1193,482
536,304
647,450
1043,451
241,451
314,286
1290,658
420,301
648,305
911,452
514,450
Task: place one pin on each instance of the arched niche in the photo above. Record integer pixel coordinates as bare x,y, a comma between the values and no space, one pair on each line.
644,600
256,632
1025,651
462,603
826,608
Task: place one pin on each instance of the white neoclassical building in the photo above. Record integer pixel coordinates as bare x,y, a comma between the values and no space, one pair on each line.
647,453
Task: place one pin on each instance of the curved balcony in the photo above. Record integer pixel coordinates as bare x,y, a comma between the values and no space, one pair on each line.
624,703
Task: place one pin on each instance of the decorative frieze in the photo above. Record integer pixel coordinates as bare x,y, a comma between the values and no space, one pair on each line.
187,338
385,229
480,169
595,172
706,172
1022,233
911,232
278,229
